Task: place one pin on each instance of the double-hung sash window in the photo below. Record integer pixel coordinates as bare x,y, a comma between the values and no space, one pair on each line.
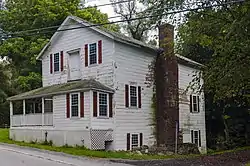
56,62
103,105
134,141
75,106
196,137
93,54
194,103
133,96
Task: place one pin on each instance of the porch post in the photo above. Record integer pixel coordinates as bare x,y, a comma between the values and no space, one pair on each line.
42,111
24,109
11,113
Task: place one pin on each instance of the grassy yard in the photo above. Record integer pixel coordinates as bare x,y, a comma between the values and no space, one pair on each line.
79,151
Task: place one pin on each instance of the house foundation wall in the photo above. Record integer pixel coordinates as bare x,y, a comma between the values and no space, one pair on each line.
58,137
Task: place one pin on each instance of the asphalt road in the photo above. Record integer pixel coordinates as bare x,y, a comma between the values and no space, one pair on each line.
17,156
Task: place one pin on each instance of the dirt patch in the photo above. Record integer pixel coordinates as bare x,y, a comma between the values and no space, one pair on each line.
239,158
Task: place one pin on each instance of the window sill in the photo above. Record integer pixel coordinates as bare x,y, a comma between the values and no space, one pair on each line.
194,112
132,108
93,65
103,117
75,118
56,72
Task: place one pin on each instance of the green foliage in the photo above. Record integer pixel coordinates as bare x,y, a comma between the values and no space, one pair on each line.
24,72
219,38
224,33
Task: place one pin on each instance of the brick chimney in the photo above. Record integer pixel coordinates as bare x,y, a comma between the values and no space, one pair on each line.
167,90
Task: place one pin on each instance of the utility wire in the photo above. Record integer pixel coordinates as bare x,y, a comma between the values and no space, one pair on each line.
169,7
108,4
119,21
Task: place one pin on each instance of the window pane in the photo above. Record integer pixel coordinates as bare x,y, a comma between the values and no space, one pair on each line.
103,104
133,96
48,105
196,137
194,99
103,110
74,110
92,54
56,62
134,141
74,105
195,107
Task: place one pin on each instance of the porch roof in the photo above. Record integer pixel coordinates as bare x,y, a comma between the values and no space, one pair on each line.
75,86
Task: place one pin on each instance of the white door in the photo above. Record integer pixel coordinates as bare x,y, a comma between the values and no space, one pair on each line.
74,66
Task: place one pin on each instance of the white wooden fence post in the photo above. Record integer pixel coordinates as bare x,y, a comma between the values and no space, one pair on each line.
42,111
24,113
11,113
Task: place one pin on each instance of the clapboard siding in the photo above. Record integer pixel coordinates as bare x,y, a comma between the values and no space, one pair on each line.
190,121
132,66
60,120
74,39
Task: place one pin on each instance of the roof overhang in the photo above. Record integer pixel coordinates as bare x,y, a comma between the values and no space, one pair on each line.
70,87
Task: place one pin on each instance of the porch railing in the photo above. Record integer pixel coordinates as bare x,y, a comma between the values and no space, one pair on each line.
32,120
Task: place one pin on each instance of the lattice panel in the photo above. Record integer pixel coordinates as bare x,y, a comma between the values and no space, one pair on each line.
98,138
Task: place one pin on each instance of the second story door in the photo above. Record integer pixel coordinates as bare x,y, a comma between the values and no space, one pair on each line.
74,66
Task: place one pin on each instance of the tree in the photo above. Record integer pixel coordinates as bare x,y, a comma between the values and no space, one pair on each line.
21,49
138,29
219,38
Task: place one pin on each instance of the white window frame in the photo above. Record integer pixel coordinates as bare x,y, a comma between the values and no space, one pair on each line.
198,109
78,105
131,136
58,62
98,105
137,96
97,57
193,141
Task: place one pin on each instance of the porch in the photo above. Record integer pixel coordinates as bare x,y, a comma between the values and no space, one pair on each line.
31,112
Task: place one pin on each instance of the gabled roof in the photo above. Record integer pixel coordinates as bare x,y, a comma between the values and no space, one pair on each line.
76,86
114,36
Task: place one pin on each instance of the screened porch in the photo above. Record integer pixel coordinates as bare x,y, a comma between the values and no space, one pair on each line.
31,112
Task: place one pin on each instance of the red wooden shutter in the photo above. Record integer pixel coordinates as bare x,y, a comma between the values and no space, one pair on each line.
192,136
199,138
68,106
126,96
95,104
61,60
139,96
82,104
86,55
198,103
51,63
128,141
110,105
191,103
141,139
99,51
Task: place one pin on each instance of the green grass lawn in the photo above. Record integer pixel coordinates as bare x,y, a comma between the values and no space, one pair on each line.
80,151
248,164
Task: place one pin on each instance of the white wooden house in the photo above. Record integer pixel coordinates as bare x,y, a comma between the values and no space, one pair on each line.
94,93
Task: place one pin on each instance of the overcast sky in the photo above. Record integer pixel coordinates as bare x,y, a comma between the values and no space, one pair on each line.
105,9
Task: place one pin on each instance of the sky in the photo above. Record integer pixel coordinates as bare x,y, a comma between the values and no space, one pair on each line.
105,9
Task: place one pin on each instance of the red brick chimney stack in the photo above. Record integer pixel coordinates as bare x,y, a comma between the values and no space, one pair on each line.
167,90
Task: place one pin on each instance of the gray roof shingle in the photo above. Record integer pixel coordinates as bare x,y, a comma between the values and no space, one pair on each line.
82,85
